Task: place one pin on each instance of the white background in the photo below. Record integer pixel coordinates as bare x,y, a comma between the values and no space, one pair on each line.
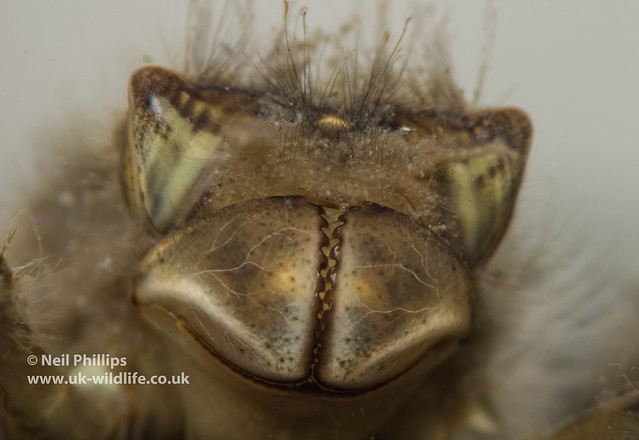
573,65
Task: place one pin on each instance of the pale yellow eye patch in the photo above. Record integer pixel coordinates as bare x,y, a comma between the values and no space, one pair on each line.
481,189
175,134
482,184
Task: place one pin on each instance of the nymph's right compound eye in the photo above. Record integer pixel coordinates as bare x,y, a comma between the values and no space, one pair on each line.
289,292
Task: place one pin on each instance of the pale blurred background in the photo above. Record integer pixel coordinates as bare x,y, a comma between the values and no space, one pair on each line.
573,65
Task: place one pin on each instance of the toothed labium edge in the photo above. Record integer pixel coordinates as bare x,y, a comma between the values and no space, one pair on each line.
309,247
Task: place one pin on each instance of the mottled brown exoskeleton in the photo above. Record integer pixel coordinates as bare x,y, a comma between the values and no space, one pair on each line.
309,252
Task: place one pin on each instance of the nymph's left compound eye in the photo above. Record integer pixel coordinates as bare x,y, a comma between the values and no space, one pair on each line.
290,292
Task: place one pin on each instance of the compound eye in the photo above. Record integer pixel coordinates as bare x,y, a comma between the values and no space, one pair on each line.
479,162
176,139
